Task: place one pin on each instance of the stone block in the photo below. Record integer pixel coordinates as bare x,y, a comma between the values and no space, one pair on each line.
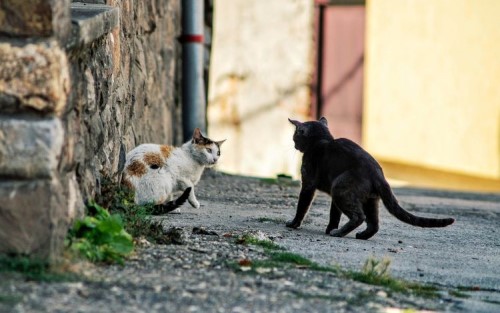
35,216
33,77
30,148
34,18
90,22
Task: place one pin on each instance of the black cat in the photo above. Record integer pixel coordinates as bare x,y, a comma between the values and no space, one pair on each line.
353,179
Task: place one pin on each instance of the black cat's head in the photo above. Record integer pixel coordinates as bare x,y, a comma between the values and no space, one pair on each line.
308,133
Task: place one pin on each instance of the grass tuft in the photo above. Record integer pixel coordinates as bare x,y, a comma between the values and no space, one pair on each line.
271,220
277,257
376,272
247,239
34,269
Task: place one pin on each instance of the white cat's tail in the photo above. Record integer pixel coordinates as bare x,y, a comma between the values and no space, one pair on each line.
171,205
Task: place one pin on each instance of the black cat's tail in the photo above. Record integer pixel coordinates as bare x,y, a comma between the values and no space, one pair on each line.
171,205
392,205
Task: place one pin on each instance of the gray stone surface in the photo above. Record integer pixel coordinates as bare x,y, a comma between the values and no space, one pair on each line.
34,18
90,22
66,116
33,218
34,77
30,148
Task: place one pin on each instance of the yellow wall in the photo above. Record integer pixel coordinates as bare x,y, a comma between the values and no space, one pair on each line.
432,89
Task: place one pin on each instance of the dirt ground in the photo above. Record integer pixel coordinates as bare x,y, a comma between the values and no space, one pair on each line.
199,275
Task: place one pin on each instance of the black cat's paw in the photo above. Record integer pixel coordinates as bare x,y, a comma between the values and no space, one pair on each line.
364,235
329,229
293,224
361,235
336,233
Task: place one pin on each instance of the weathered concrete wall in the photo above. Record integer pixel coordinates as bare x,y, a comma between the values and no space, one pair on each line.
260,75
69,107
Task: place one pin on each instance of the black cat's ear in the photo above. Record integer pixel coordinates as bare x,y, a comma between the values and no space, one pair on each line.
294,122
323,121
197,137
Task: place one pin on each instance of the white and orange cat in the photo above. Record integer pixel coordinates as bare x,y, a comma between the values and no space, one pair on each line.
155,172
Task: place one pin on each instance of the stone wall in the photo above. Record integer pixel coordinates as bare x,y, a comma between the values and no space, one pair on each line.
124,89
80,84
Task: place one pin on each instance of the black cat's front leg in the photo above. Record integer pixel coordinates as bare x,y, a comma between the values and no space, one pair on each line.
305,198
335,214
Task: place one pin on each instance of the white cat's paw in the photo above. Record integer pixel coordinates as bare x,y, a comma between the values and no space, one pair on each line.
176,211
194,203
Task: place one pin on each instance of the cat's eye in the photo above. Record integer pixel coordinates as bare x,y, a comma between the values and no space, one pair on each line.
300,131
209,150
154,166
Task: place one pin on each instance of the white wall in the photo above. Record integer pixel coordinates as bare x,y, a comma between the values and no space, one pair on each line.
260,75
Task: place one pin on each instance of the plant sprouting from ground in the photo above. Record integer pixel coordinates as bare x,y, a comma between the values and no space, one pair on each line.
136,218
377,269
252,240
100,236
34,269
376,272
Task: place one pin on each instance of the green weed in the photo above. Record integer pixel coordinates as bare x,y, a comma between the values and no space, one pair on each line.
100,236
291,258
376,272
136,218
491,301
10,299
33,269
271,220
458,294
252,240
278,258
280,179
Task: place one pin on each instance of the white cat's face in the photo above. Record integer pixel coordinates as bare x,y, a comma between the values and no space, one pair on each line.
207,151
211,153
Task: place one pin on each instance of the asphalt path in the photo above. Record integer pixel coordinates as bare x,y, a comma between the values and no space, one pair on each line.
464,255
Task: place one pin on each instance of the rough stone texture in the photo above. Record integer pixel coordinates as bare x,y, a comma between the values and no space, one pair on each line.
33,77
30,148
123,90
41,18
66,117
89,22
31,217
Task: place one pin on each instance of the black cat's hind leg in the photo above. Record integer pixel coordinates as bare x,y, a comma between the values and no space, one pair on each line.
353,209
335,214
371,212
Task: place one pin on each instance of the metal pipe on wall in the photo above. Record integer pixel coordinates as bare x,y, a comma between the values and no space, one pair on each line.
193,90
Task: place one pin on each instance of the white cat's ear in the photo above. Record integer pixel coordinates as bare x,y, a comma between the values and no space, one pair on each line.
197,137
294,122
220,142
323,121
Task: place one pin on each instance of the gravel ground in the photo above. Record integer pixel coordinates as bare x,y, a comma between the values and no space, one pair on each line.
202,274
